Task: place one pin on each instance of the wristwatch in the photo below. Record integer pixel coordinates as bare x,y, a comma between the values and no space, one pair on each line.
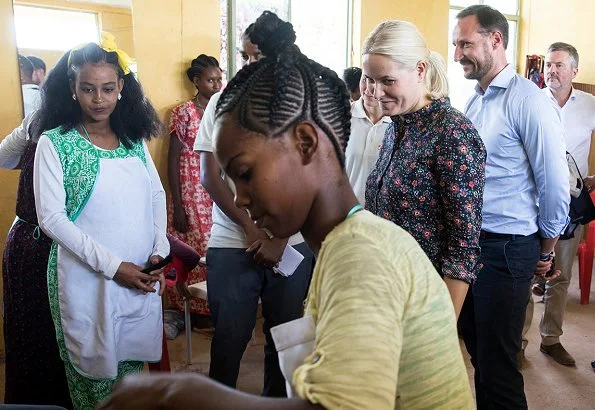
546,257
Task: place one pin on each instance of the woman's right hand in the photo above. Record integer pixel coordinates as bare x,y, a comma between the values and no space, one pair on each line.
130,276
179,220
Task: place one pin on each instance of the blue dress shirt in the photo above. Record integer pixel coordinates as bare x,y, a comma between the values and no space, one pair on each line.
526,188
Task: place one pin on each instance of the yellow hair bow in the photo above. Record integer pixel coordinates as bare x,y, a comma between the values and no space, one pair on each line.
108,44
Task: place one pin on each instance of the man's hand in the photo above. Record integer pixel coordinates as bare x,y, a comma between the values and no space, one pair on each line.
253,233
543,267
268,252
589,183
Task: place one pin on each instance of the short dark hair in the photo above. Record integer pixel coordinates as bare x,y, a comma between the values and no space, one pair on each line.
285,87
489,19
37,62
560,46
134,118
352,77
26,66
246,34
199,64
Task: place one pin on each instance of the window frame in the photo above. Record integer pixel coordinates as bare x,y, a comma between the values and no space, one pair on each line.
73,9
232,34
512,17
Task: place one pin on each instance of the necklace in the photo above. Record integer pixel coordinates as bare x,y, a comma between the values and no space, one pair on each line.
87,134
197,103
353,211
88,137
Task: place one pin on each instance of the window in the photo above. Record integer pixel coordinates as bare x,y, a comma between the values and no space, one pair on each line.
53,29
331,23
462,89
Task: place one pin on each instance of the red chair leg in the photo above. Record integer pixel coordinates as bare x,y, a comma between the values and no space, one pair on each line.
588,273
586,287
581,263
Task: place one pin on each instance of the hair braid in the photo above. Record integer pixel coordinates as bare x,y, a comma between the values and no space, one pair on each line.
285,87
200,64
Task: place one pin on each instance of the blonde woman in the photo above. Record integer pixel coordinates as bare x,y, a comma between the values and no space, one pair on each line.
429,176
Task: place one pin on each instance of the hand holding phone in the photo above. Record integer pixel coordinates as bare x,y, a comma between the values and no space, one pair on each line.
553,273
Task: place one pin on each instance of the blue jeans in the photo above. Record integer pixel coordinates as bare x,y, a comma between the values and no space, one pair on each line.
235,283
492,318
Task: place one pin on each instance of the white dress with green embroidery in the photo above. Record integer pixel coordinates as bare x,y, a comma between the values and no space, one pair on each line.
101,208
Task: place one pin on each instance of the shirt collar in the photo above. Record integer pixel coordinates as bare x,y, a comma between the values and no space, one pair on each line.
502,79
358,111
573,95
31,86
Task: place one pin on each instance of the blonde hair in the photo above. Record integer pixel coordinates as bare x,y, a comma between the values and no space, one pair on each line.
402,42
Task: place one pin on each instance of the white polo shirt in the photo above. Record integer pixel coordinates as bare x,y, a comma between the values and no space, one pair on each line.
578,121
225,233
362,150
31,98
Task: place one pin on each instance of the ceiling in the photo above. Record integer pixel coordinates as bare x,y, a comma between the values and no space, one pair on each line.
112,3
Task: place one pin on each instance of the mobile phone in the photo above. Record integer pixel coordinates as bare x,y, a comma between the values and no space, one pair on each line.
158,265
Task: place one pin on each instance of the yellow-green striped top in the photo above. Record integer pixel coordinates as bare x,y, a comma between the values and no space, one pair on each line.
386,333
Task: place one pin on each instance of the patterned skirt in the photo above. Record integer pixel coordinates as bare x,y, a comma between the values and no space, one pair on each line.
35,373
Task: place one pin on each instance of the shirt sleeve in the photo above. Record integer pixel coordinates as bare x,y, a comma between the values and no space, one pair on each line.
160,243
204,139
175,122
13,146
358,329
542,134
50,200
460,175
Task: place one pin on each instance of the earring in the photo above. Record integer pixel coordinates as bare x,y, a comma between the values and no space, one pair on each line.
119,96
74,97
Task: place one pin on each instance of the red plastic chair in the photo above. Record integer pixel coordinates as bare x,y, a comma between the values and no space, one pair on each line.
586,251
185,258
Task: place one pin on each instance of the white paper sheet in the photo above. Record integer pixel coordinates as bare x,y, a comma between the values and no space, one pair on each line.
290,261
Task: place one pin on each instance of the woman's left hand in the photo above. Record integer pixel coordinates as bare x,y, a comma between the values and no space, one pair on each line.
157,274
148,392
136,392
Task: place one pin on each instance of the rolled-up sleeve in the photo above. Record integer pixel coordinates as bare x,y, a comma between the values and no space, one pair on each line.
543,138
461,179
13,146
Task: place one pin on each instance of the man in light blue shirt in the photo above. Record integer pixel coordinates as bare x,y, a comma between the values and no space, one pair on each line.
525,205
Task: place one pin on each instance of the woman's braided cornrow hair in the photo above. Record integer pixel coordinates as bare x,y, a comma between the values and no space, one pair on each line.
285,87
199,64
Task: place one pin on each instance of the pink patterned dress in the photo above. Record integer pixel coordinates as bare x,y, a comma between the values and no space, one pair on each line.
185,120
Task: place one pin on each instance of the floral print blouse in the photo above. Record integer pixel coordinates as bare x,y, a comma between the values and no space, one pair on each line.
429,180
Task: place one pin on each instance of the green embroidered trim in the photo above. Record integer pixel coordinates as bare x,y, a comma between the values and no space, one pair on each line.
80,167
84,391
